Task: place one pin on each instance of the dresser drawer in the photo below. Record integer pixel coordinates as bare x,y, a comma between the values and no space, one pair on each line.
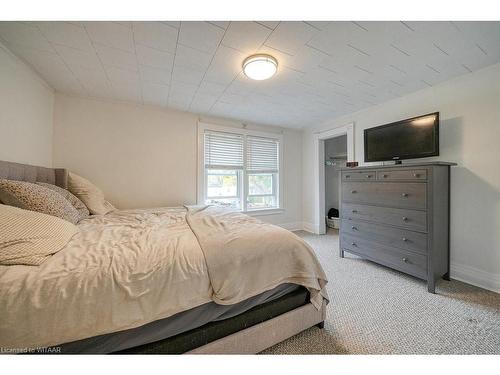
359,176
406,219
405,261
395,194
400,238
402,174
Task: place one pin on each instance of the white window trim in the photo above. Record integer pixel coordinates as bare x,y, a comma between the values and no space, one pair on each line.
201,181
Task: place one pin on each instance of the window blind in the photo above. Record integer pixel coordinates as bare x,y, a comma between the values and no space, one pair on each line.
223,150
262,154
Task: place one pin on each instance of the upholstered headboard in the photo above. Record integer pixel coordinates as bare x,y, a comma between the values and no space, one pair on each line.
30,173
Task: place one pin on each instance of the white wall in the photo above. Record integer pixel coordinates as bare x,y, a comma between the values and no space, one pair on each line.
333,147
143,156
469,109
26,108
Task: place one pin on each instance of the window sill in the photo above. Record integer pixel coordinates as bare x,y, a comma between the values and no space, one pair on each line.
264,211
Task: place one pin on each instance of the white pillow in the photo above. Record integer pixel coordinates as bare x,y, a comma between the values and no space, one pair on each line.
89,194
29,237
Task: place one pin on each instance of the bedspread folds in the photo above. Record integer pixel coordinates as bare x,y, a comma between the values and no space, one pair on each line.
246,256
128,268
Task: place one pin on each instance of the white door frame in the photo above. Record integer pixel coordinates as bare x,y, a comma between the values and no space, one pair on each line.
319,169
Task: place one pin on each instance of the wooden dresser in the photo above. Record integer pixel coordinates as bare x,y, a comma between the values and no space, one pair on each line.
398,216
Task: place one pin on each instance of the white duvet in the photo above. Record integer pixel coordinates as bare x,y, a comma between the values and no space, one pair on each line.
128,268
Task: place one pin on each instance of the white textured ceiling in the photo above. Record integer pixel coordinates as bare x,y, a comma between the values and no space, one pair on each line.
326,69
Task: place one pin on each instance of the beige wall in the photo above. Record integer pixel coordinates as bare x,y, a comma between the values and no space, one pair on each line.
145,156
26,108
469,109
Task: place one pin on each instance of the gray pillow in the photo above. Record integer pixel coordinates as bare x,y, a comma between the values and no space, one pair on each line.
77,203
37,198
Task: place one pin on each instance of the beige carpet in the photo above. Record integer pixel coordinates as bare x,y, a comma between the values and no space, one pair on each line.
375,310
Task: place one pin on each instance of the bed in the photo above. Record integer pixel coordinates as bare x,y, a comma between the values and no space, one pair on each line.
193,279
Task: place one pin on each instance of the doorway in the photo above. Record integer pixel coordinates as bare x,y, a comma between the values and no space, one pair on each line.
335,159
346,135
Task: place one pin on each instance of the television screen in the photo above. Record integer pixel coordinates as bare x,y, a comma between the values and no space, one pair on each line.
416,137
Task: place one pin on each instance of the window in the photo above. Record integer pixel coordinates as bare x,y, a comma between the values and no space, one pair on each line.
262,172
240,169
223,188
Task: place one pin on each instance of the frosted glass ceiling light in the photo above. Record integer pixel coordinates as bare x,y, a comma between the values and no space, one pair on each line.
260,67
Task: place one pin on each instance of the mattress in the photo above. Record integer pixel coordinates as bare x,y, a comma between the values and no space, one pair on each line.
195,327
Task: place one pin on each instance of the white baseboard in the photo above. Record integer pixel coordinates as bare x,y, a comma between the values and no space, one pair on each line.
299,225
294,226
475,276
310,227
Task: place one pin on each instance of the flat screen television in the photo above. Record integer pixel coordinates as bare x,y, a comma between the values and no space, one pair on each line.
416,137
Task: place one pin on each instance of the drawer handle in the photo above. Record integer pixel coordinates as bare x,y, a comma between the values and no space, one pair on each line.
404,195
354,228
405,260
347,176
353,244
368,176
405,218
384,176
354,211
404,239
353,191
416,175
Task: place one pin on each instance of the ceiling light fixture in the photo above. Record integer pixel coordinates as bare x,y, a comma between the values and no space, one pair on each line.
260,67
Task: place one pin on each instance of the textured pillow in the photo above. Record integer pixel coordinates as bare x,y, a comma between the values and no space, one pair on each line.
83,211
30,238
34,197
89,194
